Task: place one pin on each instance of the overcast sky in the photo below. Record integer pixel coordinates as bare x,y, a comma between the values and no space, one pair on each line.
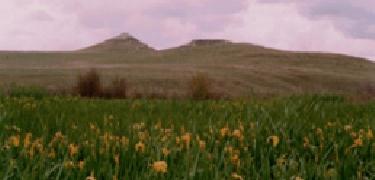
342,26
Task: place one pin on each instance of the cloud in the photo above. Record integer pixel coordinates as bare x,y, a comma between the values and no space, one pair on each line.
161,18
40,15
354,18
161,23
281,25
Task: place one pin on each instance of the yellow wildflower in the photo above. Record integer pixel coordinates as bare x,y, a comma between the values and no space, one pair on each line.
166,151
275,140
52,154
357,142
59,135
73,149
81,164
106,137
281,161
359,174
252,125
117,138
210,130
92,127
178,139
330,124
353,134
209,156
160,166
361,132
369,134
157,125
224,131
319,131
91,177
142,136
202,145
116,157
14,141
242,128
306,142
228,149
69,164
331,172
168,132
164,138
348,127
139,126
197,138
15,128
124,141
27,140
140,147
235,176
186,138
182,129
237,133
235,160
31,152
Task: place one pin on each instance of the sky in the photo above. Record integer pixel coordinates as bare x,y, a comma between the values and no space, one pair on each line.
340,26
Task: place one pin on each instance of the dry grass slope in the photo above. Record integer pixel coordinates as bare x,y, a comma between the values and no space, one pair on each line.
237,69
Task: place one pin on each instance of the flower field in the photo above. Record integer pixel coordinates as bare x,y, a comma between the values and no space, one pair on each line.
307,137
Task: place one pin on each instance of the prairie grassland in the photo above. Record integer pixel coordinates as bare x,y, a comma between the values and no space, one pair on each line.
309,137
237,69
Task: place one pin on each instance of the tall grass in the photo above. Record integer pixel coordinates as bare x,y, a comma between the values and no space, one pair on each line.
311,137
29,91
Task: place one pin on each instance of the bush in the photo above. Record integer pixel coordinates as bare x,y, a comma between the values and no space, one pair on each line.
369,90
365,92
118,88
89,84
200,87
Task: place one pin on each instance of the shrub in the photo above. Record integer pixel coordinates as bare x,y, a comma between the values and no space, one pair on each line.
369,89
89,84
118,88
200,87
365,92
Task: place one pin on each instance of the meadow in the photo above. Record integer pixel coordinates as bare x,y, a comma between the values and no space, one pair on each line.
297,137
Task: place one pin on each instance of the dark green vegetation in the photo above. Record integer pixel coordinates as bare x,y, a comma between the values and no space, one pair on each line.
310,137
237,69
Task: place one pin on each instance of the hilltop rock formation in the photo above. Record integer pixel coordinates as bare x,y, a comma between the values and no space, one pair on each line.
123,43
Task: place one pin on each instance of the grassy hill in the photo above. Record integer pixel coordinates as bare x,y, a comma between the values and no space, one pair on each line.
237,69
